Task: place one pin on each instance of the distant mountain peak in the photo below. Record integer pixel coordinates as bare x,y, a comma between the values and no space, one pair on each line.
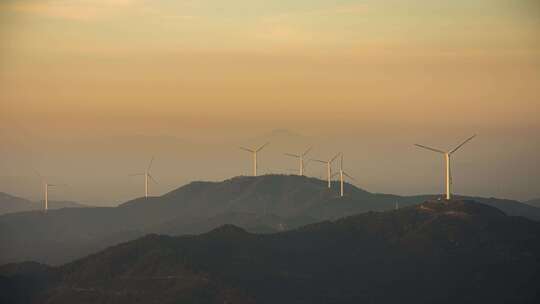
227,230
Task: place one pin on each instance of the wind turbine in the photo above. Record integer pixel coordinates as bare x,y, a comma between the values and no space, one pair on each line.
254,152
45,186
300,158
306,163
447,155
342,175
147,177
328,168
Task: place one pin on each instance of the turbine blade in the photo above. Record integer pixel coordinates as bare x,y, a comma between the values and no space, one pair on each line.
345,173
60,185
150,164
246,149
292,155
153,179
261,147
318,160
429,148
334,158
463,143
37,173
307,151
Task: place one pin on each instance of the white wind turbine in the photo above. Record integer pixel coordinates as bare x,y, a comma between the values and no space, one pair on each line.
447,155
301,159
306,164
254,153
147,177
342,175
45,186
328,168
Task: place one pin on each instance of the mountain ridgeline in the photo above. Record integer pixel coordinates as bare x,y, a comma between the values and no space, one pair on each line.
434,252
12,204
262,204
534,202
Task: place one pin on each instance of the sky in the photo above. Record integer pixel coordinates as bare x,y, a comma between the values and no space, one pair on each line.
91,89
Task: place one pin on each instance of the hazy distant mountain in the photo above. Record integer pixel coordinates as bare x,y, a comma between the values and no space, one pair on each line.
258,204
11,204
534,202
457,252
250,221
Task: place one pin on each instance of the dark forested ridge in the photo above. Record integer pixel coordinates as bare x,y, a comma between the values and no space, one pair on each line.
456,252
262,204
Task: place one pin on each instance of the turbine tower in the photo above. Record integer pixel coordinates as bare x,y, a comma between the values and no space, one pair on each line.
328,168
342,175
447,154
147,177
254,153
301,159
306,163
45,188
46,195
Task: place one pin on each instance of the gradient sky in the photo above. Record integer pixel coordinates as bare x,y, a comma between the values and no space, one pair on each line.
87,84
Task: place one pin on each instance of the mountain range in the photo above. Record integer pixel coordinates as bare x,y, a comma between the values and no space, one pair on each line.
263,204
13,204
453,252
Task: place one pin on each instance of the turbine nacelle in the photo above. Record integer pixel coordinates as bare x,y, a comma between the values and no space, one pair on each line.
254,152
147,176
342,175
301,159
328,164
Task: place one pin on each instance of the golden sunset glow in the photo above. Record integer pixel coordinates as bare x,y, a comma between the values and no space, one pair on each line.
228,71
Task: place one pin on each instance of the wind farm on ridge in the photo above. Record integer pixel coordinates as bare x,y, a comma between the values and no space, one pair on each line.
301,157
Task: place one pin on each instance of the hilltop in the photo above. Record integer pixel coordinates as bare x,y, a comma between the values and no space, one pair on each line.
434,252
262,204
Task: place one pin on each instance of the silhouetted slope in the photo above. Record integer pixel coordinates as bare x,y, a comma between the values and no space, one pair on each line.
460,252
20,283
283,195
534,202
12,204
509,207
264,223
259,204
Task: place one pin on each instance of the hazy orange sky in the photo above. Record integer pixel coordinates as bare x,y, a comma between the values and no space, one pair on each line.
346,74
